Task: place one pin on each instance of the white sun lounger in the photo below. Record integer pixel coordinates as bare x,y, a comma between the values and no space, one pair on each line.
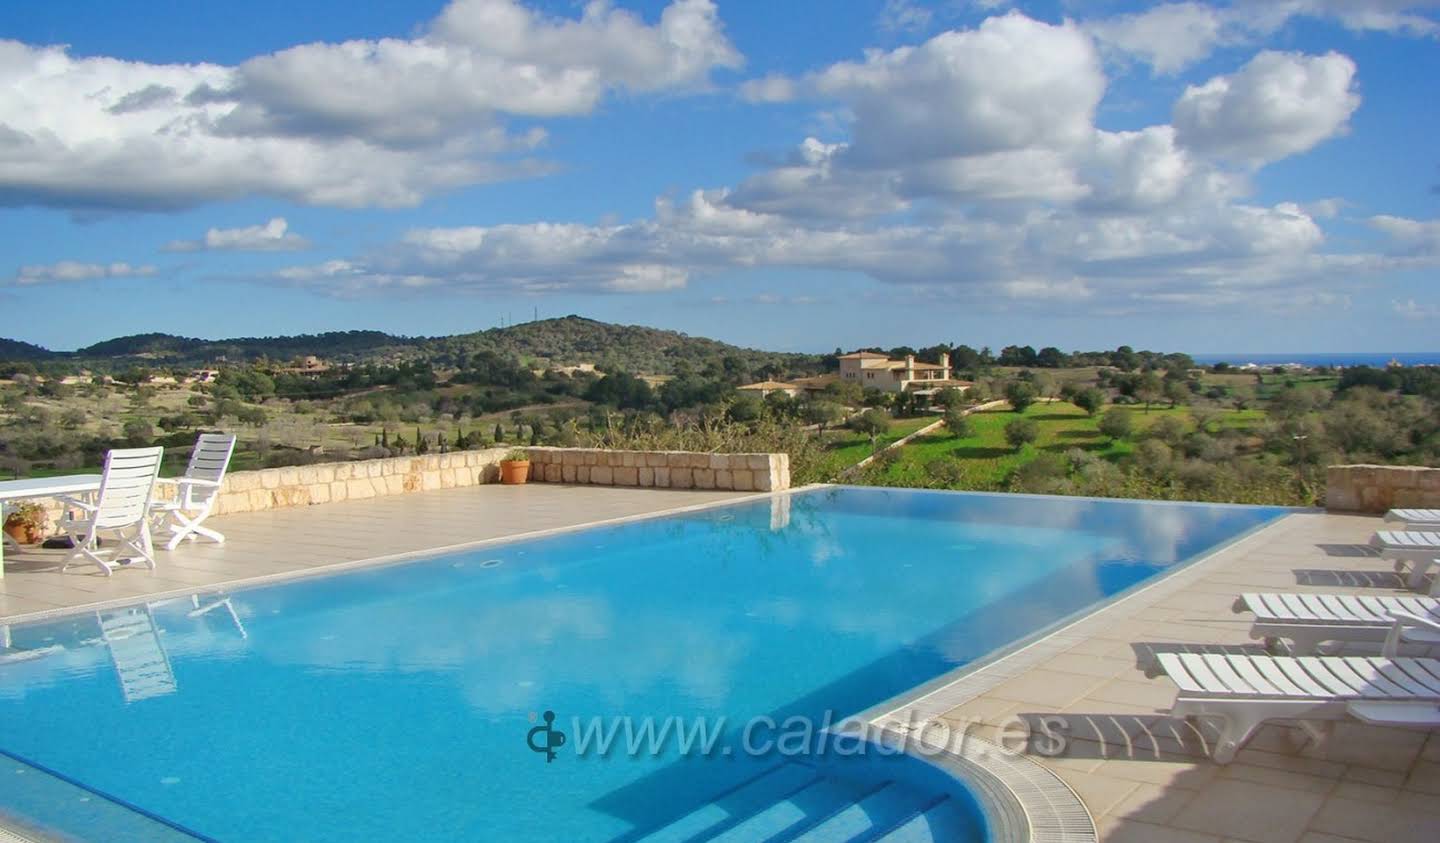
1309,620
1415,519
1415,548
1243,692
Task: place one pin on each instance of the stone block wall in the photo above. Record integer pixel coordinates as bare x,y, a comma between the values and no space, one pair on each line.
1376,488
661,469
303,485
278,488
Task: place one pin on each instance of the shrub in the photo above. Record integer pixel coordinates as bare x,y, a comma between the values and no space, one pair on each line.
959,423
1021,432
1020,394
1117,424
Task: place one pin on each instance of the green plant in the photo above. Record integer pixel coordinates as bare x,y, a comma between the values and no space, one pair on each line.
517,455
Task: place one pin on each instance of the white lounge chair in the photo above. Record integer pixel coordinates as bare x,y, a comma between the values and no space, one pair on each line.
121,507
1309,620
1243,692
195,493
1415,519
1415,548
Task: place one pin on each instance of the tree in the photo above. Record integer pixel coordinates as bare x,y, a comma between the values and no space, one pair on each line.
1050,358
422,445
1020,394
499,433
822,414
957,421
1090,400
138,432
1117,423
1149,389
872,423
1021,432
746,408
1176,392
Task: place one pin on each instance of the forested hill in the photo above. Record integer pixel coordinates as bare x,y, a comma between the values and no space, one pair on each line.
17,350
564,341
631,348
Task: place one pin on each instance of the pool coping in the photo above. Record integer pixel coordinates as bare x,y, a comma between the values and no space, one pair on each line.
1049,809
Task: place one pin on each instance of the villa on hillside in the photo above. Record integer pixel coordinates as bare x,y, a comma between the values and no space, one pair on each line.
878,371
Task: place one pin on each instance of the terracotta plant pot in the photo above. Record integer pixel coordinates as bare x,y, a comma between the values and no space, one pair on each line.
22,532
514,472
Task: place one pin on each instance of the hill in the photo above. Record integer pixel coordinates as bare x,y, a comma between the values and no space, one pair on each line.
17,350
558,342
633,348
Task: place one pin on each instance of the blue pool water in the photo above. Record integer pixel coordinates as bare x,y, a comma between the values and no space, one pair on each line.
397,700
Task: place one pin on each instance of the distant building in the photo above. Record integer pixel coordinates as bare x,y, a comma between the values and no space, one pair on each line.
308,365
764,388
204,375
878,371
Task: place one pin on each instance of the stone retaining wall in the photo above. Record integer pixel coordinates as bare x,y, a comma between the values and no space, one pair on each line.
1376,488
661,469
277,488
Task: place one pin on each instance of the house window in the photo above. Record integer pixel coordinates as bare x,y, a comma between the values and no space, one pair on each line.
870,375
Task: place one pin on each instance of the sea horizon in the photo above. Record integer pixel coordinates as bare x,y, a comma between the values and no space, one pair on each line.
1341,358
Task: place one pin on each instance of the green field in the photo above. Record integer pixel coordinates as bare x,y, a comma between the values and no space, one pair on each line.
845,448
986,459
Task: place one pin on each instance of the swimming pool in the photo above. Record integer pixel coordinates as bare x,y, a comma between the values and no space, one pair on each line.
402,699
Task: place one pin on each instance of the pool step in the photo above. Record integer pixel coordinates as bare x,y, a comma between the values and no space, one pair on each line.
812,804
739,802
877,812
943,821
795,803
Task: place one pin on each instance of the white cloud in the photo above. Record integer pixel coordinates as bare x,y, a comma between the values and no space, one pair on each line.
904,16
1411,309
1405,17
361,123
273,236
1412,237
69,271
984,91
966,170
1277,105
1172,36
1169,37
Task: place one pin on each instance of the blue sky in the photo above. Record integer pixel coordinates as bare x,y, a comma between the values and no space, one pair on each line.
1230,176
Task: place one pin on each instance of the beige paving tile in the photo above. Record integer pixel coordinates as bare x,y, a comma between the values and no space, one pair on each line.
1046,688
1151,803
1369,821
1249,811
1115,830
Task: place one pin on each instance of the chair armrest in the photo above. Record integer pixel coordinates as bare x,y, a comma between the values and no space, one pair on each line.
76,502
1405,622
188,481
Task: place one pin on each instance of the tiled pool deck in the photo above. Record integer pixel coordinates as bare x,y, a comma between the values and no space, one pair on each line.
1145,781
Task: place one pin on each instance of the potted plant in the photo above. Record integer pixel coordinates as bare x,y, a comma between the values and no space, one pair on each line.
515,468
26,522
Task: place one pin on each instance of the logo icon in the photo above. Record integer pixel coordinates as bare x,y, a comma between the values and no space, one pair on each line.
550,737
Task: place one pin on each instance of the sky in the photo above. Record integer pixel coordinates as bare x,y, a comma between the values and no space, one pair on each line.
1244,176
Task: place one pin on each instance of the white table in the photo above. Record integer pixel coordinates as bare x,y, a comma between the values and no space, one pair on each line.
43,487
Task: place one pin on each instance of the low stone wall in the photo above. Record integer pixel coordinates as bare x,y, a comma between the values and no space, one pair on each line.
661,469
276,488
1376,488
